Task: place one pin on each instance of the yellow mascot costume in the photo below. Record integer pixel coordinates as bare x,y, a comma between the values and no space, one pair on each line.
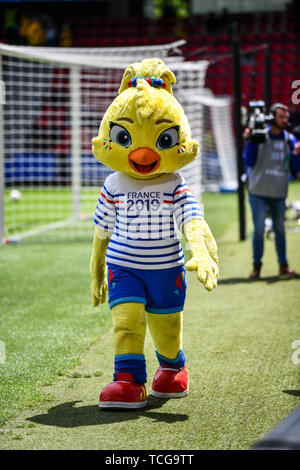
137,256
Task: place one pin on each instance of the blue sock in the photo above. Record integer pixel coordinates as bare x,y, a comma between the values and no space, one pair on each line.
179,361
134,364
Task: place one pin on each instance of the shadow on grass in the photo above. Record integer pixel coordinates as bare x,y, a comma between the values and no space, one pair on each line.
296,393
246,280
67,415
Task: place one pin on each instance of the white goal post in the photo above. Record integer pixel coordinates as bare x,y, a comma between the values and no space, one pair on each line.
52,102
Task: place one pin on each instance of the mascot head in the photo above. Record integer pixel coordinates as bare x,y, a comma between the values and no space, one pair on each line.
144,132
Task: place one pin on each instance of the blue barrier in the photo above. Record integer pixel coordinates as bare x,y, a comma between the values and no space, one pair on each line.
47,167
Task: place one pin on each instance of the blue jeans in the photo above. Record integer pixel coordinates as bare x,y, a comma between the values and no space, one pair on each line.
276,208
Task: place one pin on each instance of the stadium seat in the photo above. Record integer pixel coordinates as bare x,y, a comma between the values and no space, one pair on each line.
275,28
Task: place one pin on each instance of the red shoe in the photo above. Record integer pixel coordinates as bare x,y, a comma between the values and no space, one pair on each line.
170,382
123,393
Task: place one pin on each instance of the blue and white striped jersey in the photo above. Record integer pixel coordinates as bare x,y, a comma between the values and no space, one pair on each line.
139,215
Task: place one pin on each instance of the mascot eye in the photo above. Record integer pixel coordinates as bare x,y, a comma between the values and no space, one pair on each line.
119,135
168,138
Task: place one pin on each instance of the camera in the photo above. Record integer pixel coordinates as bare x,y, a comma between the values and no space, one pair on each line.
258,121
296,132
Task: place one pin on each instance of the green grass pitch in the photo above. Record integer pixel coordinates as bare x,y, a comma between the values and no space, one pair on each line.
238,342
42,206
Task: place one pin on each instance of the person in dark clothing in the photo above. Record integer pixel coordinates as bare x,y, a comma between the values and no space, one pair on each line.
268,166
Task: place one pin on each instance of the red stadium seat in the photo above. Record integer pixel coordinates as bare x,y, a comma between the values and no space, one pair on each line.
275,37
259,69
259,57
278,30
276,47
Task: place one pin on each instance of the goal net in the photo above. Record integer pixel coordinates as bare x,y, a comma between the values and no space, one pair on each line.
212,125
52,102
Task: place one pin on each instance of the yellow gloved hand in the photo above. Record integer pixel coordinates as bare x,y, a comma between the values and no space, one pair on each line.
98,267
204,252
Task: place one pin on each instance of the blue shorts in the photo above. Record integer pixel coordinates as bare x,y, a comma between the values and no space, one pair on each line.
160,290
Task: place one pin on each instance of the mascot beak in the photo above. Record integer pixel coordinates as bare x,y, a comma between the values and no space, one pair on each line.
144,160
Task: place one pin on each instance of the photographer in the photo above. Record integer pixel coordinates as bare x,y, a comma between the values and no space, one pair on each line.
268,165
